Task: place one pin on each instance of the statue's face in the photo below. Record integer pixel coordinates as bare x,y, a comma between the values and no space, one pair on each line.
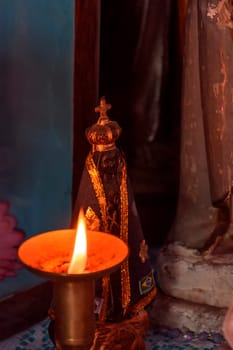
109,164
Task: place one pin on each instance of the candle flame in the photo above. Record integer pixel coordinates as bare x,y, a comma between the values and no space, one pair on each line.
79,257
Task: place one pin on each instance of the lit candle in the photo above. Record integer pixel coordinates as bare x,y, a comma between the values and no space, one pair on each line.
51,252
79,258
49,255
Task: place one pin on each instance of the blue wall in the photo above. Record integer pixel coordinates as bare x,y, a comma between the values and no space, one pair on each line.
36,88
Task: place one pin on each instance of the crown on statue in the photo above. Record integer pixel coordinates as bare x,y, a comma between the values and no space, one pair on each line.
105,132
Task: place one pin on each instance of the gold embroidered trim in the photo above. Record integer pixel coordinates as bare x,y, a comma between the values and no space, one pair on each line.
92,220
143,251
124,206
125,279
98,188
142,303
101,198
104,307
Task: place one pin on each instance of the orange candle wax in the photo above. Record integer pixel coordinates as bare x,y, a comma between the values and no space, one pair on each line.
51,251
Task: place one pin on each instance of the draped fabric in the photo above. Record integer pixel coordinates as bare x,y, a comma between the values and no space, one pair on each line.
204,209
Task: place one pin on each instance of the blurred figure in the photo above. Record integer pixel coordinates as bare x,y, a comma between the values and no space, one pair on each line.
135,72
10,239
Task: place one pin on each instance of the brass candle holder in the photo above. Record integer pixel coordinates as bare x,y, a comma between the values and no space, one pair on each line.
48,255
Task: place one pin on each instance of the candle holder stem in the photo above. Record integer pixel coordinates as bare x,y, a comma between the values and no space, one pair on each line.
74,313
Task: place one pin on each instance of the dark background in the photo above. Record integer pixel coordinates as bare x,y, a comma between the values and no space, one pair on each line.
140,67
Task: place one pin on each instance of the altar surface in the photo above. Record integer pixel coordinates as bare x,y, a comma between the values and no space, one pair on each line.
24,324
36,338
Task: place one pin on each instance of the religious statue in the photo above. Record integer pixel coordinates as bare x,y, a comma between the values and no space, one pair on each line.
108,202
195,266
204,216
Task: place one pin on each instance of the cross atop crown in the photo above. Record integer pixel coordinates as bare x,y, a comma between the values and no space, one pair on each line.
103,108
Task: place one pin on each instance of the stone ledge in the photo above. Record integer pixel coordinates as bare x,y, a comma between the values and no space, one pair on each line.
170,312
186,274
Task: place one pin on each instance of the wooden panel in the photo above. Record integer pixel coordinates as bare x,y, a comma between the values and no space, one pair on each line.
86,79
22,310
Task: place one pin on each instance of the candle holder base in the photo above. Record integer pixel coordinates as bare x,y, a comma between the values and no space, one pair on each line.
129,334
51,333
72,347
